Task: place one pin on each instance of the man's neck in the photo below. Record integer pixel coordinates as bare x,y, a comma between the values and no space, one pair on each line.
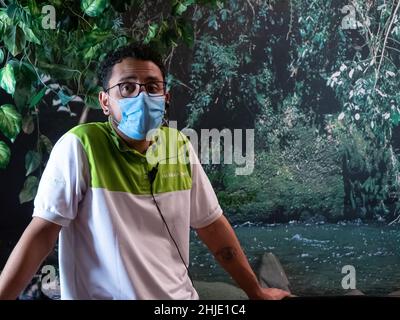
138,145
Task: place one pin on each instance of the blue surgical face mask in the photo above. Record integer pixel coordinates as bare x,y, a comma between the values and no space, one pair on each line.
140,115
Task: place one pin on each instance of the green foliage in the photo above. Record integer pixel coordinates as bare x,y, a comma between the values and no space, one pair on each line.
179,7
32,161
330,73
10,121
7,79
221,63
93,8
371,172
29,189
366,84
224,73
5,155
304,177
37,98
66,48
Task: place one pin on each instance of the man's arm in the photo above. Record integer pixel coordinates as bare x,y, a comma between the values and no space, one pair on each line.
34,246
220,238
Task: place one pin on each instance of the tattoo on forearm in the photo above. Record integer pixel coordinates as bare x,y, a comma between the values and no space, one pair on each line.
226,254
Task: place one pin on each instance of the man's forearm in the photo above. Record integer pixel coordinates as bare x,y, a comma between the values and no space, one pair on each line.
34,246
223,243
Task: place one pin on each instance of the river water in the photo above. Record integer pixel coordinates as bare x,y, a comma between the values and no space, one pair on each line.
313,255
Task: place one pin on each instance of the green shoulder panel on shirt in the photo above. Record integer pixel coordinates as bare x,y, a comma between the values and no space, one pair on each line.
116,167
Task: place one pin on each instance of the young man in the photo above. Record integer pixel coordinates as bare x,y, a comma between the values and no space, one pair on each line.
125,222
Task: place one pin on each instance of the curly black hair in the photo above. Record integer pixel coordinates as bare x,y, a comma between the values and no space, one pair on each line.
134,50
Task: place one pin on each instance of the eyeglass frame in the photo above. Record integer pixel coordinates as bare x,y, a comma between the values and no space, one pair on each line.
140,87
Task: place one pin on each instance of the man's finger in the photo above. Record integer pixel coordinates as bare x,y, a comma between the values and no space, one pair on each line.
282,294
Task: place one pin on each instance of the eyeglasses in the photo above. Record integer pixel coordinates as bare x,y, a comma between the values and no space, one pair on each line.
131,89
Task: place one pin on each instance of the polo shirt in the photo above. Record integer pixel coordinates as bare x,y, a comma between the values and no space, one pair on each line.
113,243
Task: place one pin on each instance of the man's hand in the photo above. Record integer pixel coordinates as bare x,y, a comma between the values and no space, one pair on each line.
270,294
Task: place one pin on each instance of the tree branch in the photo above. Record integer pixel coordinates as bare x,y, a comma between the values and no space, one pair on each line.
384,43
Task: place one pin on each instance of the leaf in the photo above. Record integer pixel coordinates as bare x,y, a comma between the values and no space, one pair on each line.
5,155
32,161
27,124
33,7
29,35
91,52
390,74
94,43
10,121
25,73
7,79
151,33
93,7
17,13
224,14
1,56
29,190
64,97
14,39
395,118
22,96
96,36
13,11
212,23
36,99
46,143
187,33
180,7
4,18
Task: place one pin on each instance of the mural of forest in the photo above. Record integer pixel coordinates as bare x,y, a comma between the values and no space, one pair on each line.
322,96
318,81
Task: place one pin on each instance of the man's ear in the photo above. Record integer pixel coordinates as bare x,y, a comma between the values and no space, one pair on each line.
104,102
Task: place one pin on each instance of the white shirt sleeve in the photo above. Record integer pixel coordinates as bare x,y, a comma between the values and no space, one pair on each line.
204,205
63,183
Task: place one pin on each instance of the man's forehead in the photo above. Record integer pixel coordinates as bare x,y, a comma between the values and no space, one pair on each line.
135,68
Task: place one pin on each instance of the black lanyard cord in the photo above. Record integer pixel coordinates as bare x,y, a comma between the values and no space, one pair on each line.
152,174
